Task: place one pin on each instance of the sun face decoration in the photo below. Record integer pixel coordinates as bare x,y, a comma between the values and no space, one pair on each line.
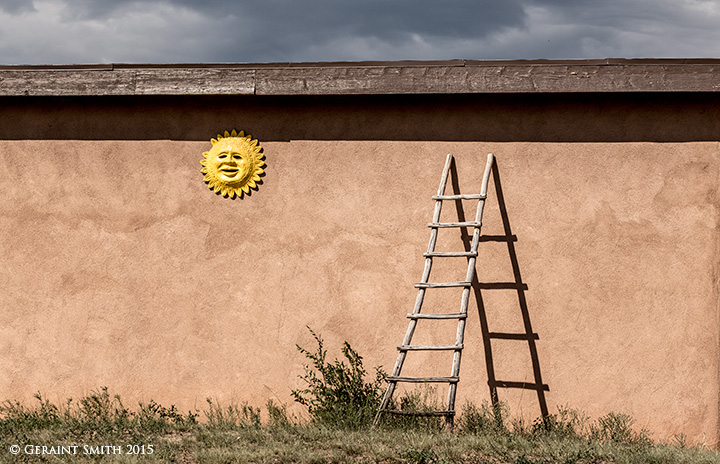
233,165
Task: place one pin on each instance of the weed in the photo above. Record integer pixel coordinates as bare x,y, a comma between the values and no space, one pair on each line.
100,411
421,456
422,400
278,415
486,419
617,427
16,417
153,417
337,393
567,423
97,413
231,417
680,440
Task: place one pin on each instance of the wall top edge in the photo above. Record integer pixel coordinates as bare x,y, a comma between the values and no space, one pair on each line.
364,78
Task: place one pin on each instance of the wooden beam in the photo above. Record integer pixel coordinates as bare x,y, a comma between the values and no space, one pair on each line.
195,82
372,78
490,79
66,82
82,82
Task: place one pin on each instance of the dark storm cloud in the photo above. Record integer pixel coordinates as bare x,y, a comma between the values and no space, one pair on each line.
277,27
87,31
269,30
383,18
17,6
378,18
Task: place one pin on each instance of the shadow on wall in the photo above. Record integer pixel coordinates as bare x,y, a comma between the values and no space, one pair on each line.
607,117
527,334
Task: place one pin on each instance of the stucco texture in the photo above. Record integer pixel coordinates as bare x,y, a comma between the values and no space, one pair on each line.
122,269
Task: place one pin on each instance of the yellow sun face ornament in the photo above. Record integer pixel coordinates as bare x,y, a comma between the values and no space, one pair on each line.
233,165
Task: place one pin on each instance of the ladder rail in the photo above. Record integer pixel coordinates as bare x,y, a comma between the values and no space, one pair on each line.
470,275
470,283
421,291
424,284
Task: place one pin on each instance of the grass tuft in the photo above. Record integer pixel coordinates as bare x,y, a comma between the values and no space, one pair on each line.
232,416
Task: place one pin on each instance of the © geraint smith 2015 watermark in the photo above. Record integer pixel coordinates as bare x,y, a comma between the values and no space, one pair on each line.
82,449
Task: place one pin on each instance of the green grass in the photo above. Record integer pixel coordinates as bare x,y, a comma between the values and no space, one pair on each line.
239,433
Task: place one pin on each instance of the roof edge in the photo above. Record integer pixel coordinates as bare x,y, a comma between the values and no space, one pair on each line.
365,77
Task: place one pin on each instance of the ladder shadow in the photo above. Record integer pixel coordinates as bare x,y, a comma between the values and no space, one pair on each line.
518,285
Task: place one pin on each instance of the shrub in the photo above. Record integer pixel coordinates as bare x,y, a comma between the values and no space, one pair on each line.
337,393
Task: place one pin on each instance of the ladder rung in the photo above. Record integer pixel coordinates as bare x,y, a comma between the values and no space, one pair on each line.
513,336
395,378
525,385
405,412
429,347
438,316
502,286
472,196
442,225
450,254
443,284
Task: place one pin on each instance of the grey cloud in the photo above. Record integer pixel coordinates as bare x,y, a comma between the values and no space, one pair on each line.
281,30
73,31
390,18
620,28
632,16
17,6
378,18
284,30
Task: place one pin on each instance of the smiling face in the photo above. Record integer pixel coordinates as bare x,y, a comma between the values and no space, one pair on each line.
233,165
228,161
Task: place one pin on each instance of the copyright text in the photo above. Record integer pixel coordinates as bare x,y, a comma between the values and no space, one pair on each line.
82,449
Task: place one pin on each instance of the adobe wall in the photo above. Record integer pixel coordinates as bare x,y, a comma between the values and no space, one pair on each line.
121,269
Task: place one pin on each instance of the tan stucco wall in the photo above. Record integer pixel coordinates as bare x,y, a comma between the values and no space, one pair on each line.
120,268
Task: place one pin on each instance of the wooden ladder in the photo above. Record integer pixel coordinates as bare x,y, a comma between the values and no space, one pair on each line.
470,282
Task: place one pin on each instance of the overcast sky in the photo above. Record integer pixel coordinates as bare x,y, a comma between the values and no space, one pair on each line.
184,31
